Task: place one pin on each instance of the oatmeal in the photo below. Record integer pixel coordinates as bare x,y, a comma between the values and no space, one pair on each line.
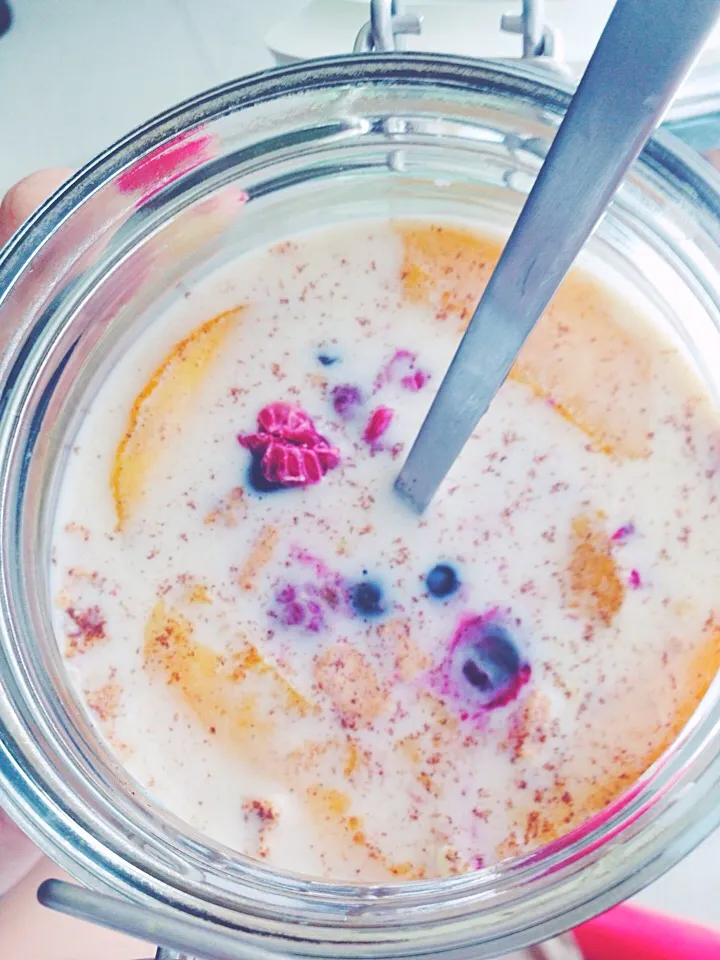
289,659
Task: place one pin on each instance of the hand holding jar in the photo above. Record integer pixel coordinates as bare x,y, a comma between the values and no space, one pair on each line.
17,854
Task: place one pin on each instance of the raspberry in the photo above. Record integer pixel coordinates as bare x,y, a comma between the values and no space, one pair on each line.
293,614
290,451
378,422
415,381
297,609
286,422
286,595
302,606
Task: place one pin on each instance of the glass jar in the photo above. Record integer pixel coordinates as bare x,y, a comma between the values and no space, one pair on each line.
562,31
238,167
560,34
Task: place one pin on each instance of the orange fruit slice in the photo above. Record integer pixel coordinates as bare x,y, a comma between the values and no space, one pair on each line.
157,411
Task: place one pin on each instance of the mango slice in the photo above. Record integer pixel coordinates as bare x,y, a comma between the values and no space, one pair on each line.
158,410
238,698
594,583
587,370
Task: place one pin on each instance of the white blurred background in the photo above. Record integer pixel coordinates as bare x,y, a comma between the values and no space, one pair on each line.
77,74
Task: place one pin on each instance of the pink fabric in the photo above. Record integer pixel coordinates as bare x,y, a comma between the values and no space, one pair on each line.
633,933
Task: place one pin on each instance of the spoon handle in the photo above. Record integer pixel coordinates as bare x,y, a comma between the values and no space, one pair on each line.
646,49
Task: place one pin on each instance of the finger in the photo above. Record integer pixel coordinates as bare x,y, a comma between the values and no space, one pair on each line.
21,199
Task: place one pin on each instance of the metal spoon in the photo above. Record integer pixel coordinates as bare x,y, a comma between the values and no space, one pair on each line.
646,49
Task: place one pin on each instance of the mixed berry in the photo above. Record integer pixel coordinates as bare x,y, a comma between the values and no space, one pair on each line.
318,593
300,607
377,423
489,662
484,668
366,598
345,400
442,581
348,399
287,450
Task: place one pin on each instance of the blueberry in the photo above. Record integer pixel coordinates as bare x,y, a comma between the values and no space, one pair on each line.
257,479
327,360
442,581
366,599
488,663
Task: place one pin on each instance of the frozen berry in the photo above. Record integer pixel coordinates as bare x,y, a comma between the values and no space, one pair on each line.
286,422
316,618
345,400
286,594
366,599
415,381
442,581
488,661
295,607
293,465
327,359
287,450
378,422
293,614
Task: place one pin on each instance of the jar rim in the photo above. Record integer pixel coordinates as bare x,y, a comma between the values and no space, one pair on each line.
673,799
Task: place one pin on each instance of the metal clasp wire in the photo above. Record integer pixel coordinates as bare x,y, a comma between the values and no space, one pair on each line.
537,35
386,27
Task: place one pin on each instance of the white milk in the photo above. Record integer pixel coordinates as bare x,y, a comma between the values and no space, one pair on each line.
357,749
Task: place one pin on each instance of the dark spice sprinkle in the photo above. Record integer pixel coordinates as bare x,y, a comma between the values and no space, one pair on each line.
442,581
366,598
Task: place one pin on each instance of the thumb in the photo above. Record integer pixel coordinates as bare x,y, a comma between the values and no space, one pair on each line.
21,199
